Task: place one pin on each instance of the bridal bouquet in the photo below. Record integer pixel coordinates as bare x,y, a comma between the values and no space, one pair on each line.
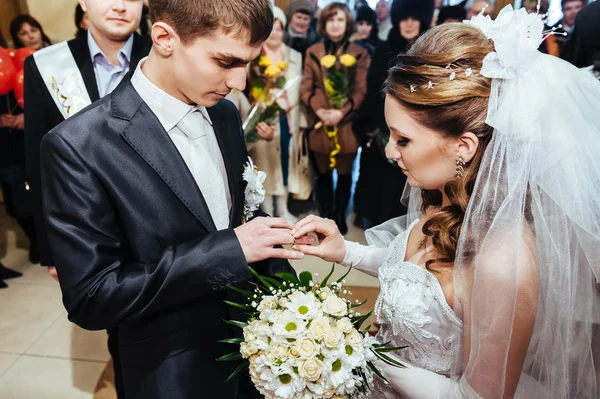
337,89
266,78
304,340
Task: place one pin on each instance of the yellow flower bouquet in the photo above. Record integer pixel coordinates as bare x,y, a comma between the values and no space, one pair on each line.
337,88
265,76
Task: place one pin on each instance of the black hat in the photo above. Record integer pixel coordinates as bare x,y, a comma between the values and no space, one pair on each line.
418,9
451,12
366,14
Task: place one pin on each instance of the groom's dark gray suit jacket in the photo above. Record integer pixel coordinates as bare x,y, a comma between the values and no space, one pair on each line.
135,245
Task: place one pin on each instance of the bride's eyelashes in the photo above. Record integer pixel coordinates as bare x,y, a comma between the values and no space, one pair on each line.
402,142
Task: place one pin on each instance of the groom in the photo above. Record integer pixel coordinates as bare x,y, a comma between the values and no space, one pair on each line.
144,200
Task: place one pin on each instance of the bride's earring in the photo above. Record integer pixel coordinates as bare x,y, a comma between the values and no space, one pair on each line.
460,167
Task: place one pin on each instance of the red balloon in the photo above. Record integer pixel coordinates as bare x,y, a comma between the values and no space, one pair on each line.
20,55
12,52
19,88
7,73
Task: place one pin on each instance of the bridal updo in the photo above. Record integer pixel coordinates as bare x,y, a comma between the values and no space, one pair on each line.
438,81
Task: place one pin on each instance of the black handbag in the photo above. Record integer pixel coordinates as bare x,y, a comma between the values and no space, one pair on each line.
19,191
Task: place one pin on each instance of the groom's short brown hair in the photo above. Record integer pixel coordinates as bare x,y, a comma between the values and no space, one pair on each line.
250,19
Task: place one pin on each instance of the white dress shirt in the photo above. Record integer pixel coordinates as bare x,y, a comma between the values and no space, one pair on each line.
190,129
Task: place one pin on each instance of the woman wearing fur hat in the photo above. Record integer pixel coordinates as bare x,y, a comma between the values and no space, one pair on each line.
300,33
410,18
367,31
336,26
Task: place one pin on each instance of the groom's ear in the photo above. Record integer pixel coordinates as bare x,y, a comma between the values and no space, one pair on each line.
164,38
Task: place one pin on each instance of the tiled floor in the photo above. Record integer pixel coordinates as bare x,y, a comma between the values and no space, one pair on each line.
42,354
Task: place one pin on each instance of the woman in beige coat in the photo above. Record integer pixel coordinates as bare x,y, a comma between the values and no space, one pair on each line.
276,151
336,26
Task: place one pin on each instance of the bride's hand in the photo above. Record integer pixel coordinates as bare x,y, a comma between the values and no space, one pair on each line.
331,247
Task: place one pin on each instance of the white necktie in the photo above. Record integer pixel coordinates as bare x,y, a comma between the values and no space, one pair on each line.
206,171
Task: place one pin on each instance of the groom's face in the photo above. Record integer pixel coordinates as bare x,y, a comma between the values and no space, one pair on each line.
209,67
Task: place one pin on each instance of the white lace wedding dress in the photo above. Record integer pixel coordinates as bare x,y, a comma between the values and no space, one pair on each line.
412,311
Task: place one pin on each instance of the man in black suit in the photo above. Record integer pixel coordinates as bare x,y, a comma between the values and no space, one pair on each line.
144,201
100,59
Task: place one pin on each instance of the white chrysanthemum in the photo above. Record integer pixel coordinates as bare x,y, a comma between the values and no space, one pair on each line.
337,372
319,327
354,355
304,305
335,306
286,384
289,326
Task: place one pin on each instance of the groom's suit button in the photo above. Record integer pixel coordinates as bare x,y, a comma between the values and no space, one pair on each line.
234,280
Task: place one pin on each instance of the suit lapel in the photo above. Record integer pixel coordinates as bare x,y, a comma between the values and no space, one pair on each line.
227,134
148,138
81,54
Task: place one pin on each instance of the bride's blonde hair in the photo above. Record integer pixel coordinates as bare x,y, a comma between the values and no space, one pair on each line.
438,81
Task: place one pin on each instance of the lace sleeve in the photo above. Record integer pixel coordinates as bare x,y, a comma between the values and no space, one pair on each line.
367,259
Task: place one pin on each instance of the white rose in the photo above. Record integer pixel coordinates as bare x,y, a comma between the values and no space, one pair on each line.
344,324
306,347
335,306
283,302
319,327
294,352
333,338
311,369
354,338
325,293
247,350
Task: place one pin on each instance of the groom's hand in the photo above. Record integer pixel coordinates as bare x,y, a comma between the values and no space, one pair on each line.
259,237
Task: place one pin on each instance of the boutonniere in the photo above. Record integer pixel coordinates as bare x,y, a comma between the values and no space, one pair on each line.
70,93
255,192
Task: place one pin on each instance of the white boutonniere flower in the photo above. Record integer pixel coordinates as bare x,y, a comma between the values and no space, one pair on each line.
255,191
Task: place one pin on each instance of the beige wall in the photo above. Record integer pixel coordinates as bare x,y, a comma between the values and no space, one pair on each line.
56,17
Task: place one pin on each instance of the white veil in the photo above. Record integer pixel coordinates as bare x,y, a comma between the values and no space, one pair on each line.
535,208
532,227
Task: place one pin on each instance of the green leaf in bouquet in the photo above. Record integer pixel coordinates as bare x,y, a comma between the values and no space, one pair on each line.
235,341
289,277
376,371
261,279
257,83
274,282
360,320
240,367
326,279
359,304
230,356
236,323
388,360
362,374
394,349
245,293
240,306
366,330
305,279
345,275
280,82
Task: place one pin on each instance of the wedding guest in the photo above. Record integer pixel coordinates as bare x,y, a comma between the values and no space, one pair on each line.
367,31
570,9
475,7
11,135
276,151
26,31
583,50
100,60
336,26
410,19
299,33
384,23
451,14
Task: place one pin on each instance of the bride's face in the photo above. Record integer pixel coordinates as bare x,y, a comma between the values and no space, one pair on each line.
425,156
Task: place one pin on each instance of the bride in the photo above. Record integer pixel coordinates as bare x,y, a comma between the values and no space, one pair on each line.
490,281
